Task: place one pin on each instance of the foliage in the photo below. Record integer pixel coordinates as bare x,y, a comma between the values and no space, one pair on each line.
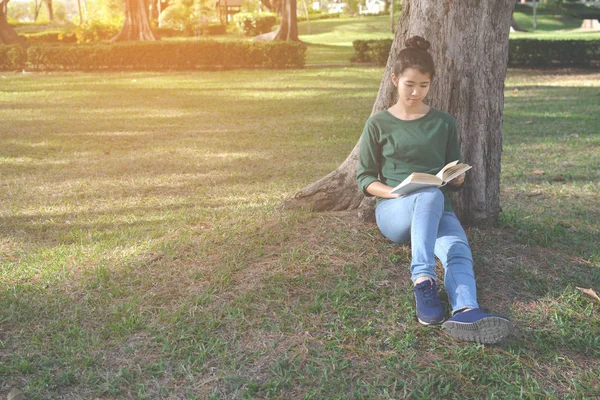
525,52
105,11
175,17
95,31
537,53
201,54
208,30
12,57
581,11
376,51
186,15
18,11
51,37
251,24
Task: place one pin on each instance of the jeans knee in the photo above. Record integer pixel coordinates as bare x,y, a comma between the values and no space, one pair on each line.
431,197
459,252
433,192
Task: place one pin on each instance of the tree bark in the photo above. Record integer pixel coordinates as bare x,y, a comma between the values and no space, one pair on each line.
288,30
470,47
50,7
8,35
136,26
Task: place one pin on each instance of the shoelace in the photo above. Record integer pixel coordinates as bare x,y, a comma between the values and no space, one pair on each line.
427,293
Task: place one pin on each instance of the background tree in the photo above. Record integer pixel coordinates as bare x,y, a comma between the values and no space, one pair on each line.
82,10
470,46
288,29
38,4
50,8
7,33
136,25
272,5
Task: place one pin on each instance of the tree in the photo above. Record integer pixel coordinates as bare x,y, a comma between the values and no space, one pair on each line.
288,29
38,7
470,46
136,25
8,35
82,10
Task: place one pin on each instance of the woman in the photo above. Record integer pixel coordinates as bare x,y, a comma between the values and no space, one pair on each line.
411,137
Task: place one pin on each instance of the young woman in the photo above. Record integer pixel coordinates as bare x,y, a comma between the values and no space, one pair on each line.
411,137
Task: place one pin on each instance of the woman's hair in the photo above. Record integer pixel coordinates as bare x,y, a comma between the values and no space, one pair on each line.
415,55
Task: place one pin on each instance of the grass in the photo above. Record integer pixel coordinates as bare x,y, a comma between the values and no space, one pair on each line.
551,26
142,253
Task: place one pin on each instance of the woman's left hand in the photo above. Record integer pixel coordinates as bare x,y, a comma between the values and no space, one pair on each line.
458,181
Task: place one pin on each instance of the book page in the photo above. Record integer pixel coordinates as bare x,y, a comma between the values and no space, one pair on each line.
449,165
455,171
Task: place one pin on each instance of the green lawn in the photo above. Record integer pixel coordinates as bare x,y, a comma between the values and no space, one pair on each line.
142,253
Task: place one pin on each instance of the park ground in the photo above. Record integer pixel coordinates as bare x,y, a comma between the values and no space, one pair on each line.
143,253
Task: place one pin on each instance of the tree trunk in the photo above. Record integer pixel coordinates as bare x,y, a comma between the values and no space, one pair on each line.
592,24
288,30
50,10
8,35
136,25
80,12
36,10
470,47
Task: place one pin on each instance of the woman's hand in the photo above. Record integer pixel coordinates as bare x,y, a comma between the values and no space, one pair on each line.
458,181
378,189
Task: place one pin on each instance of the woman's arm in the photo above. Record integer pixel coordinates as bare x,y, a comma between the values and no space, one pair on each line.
379,189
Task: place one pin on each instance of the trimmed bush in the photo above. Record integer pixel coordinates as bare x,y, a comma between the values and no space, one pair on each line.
208,30
12,57
201,54
376,51
543,53
95,31
522,52
255,24
50,37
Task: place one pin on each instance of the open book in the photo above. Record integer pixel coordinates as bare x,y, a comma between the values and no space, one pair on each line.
420,180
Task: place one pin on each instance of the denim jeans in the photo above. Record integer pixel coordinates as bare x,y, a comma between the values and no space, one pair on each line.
420,218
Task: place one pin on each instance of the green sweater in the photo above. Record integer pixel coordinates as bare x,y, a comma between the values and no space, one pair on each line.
391,148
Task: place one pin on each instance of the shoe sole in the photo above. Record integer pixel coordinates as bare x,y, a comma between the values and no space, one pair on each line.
429,323
487,330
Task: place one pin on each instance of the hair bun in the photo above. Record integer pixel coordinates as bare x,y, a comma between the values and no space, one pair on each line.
418,43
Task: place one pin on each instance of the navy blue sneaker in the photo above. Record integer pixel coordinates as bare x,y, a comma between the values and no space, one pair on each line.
478,326
429,309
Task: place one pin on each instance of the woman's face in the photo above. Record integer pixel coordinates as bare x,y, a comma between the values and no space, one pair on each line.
413,86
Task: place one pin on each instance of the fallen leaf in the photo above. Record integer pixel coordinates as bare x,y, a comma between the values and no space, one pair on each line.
533,194
15,394
538,172
528,122
590,292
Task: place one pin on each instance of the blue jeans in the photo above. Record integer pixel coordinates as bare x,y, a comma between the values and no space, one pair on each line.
420,218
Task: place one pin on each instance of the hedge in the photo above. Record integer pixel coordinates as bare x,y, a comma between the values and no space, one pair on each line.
12,57
201,54
255,24
543,53
522,52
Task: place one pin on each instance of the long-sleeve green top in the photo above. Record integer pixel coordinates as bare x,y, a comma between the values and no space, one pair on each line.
392,148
